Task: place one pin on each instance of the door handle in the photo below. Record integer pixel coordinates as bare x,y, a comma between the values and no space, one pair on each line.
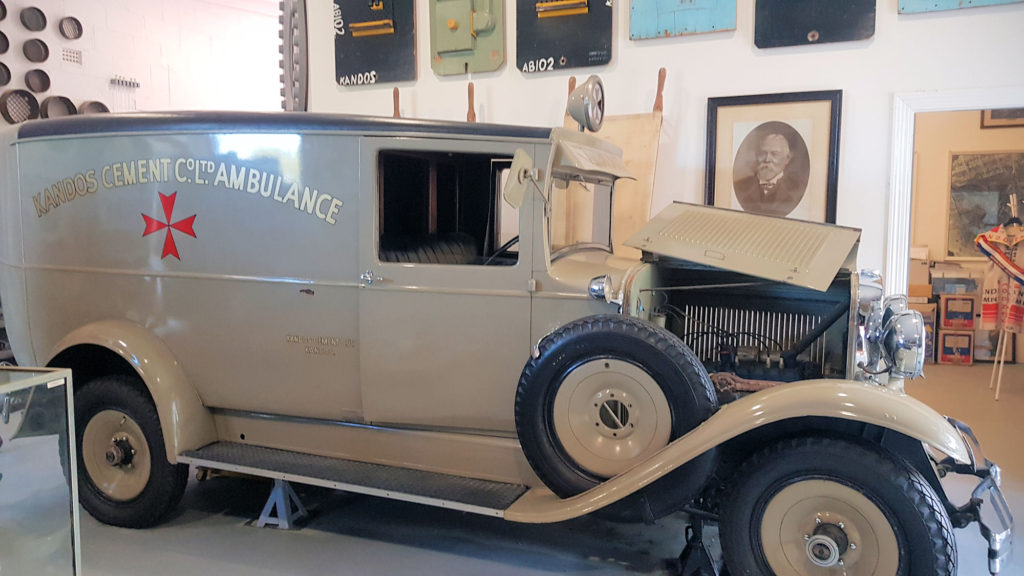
369,278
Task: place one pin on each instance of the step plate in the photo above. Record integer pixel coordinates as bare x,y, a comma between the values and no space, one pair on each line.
444,490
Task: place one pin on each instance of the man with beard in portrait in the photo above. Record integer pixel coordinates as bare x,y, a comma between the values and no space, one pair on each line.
771,189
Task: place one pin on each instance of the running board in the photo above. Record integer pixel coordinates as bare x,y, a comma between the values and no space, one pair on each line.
432,488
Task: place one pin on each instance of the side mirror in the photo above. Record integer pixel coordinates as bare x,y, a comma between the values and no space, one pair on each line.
518,177
586,104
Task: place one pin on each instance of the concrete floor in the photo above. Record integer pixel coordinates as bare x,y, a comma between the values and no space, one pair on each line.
357,535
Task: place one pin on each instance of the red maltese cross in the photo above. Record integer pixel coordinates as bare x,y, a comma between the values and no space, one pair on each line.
154,225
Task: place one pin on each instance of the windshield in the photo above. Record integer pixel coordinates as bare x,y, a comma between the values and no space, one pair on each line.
581,213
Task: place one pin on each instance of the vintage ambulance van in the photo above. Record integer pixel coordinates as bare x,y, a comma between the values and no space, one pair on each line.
434,312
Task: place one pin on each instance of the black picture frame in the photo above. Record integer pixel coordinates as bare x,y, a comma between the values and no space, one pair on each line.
809,191
1002,118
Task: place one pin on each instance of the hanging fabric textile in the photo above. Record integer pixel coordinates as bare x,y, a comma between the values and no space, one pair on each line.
1002,299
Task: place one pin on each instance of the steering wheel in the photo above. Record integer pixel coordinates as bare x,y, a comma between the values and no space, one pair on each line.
502,249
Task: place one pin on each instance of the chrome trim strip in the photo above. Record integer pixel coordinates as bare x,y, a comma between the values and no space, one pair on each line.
350,424
178,275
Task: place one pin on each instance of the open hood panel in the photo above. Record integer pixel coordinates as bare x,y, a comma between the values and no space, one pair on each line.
796,252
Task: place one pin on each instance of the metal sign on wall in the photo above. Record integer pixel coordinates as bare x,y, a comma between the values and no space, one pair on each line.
660,19
466,36
374,41
912,6
798,22
556,34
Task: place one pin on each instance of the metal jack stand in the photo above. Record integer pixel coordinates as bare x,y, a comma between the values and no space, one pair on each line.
282,497
695,559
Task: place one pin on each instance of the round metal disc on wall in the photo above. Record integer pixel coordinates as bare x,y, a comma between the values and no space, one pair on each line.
36,50
5,74
70,28
57,106
33,19
18,105
4,43
37,80
93,107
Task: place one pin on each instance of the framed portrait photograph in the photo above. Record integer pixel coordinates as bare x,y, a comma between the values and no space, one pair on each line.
775,154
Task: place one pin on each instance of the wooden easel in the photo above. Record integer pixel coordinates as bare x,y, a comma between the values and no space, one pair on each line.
1006,339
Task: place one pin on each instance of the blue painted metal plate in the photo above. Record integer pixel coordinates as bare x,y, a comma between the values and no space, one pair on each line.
664,18
914,6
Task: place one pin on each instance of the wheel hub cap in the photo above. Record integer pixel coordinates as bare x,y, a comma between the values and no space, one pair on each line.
821,527
827,546
120,452
609,414
116,455
615,416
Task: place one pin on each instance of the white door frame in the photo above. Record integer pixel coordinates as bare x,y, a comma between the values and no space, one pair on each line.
901,176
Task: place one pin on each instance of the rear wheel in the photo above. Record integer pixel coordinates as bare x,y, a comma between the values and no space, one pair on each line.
819,506
123,472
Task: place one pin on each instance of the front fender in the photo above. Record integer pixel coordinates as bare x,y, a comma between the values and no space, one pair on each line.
841,399
185,422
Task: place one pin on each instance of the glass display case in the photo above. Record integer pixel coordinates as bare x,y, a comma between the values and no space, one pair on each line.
38,479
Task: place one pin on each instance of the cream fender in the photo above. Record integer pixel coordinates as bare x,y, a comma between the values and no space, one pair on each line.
841,399
185,422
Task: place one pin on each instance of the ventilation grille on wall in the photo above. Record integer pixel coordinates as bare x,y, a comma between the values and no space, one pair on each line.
71,56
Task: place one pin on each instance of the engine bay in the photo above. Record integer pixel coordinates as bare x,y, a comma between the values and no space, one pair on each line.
754,328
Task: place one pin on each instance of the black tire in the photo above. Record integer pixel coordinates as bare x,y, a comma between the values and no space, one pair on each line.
669,363
165,482
824,471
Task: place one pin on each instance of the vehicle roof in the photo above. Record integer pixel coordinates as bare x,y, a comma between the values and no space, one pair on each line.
266,122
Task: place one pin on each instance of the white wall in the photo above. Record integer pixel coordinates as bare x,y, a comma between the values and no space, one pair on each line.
186,54
977,47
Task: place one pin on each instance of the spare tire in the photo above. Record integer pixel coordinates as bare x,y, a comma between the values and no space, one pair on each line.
605,392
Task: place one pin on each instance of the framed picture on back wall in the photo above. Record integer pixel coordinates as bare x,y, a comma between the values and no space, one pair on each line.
775,154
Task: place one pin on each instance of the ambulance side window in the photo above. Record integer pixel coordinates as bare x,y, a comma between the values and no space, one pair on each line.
444,208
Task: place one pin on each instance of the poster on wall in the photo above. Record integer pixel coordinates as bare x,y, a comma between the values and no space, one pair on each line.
775,154
374,42
980,185
659,19
556,34
913,6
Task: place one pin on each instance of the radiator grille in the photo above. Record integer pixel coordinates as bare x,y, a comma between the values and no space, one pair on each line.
703,328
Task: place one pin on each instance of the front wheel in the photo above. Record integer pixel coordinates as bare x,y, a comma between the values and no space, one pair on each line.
123,473
820,506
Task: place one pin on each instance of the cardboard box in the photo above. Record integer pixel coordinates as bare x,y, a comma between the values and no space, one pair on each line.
956,312
928,312
920,291
918,273
956,347
958,281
